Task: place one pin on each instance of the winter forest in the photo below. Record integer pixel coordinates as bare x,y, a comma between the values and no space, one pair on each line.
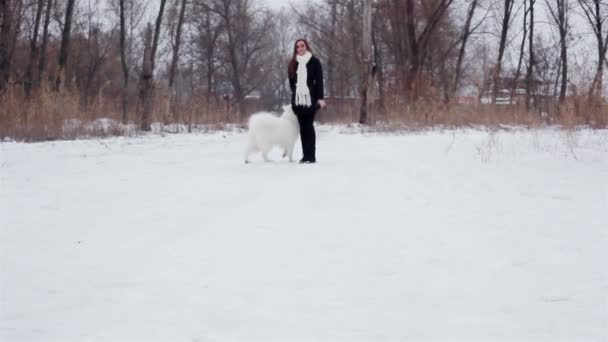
66,63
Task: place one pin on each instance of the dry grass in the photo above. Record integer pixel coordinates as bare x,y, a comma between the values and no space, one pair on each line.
48,115
576,112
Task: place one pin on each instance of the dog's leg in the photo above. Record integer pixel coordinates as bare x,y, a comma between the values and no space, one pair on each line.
265,156
250,149
247,153
289,152
265,151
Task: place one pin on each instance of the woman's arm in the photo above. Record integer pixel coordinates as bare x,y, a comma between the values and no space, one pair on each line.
292,84
292,81
319,89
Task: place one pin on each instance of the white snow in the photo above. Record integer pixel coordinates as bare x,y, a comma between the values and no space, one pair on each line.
440,235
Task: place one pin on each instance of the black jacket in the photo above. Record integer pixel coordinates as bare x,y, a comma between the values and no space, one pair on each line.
314,81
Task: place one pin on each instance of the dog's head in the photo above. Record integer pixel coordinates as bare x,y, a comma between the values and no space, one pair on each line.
287,109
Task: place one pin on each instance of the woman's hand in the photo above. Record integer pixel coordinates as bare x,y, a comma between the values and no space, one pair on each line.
322,103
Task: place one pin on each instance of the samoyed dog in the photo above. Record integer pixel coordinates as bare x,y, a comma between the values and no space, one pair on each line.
267,131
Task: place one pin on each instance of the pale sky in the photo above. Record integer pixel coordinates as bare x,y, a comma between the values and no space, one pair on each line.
275,3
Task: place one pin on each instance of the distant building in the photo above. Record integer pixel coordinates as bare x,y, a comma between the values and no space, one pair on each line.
512,93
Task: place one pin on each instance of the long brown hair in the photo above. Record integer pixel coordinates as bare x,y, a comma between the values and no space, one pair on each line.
292,61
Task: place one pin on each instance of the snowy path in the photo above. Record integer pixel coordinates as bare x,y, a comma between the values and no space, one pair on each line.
443,235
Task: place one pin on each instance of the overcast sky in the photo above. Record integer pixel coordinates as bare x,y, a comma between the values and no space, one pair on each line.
275,3
280,3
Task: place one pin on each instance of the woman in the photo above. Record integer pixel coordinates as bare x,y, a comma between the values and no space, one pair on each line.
306,82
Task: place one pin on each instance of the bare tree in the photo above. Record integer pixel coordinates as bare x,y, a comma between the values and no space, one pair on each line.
130,13
596,17
65,45
147,73
5,40
275,90
418,43
506,23
175,58
367,60
97,45
123,61
522,48
45,39
559,10
146,80
379,26
33,49
176,44
20,9
157,28
530,70
464,38
331,51
245,39
395,33
207,32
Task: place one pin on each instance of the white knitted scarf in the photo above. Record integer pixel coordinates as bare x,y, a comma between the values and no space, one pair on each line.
302,91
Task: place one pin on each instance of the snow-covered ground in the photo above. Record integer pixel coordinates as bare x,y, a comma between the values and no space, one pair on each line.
440,235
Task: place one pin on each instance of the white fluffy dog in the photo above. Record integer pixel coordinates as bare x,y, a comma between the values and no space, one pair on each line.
267,130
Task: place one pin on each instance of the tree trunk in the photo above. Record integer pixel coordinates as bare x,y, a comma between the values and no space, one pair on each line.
367,61
159,20
595,19
466,33
175,59
210,72
45,39
564,57
559,13
506,20
378,67
522,48
123,62
418,45
146,86
5,42
529,73
147,73
178,35
33,49
414,63
398,42
599,78
65,46
331,52
234,64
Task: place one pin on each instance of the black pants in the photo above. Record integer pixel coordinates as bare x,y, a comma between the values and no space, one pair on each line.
306,117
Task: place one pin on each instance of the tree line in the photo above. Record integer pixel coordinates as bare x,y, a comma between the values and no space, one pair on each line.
168,60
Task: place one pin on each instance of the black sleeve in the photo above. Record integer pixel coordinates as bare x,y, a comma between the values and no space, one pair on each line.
319,90
292,81
292,84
